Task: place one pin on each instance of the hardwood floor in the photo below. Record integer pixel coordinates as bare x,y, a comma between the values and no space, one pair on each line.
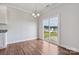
35,47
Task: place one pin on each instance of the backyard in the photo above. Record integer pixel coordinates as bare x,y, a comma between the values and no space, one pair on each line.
53,35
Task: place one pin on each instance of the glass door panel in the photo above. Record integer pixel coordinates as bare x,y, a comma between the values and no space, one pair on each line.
46,29
53,28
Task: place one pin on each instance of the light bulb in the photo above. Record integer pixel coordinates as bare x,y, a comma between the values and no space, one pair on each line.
38,14
33,14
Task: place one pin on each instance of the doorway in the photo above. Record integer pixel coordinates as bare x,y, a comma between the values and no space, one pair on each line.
51,29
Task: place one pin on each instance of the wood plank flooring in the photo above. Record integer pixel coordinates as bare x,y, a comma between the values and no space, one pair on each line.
35,47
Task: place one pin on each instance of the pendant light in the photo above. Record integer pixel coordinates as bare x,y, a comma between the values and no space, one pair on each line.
35,13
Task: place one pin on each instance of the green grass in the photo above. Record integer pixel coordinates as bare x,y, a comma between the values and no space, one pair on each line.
53,34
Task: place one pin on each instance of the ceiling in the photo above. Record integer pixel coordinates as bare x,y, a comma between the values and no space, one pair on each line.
30,7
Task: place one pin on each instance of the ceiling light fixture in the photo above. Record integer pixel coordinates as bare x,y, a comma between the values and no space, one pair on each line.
35,14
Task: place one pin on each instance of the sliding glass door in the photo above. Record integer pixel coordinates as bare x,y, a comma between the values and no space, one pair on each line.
46,29
51,29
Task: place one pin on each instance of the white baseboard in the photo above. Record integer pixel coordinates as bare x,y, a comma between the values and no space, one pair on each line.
70,48
65,46
21,40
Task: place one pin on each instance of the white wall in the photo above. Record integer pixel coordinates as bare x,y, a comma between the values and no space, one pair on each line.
21,26
3,14
69,16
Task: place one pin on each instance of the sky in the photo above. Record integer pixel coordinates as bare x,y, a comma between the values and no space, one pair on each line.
53,21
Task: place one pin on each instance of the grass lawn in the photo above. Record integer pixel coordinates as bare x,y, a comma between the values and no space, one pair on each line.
53,34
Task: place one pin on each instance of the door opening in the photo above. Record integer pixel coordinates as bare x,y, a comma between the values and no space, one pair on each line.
51,29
